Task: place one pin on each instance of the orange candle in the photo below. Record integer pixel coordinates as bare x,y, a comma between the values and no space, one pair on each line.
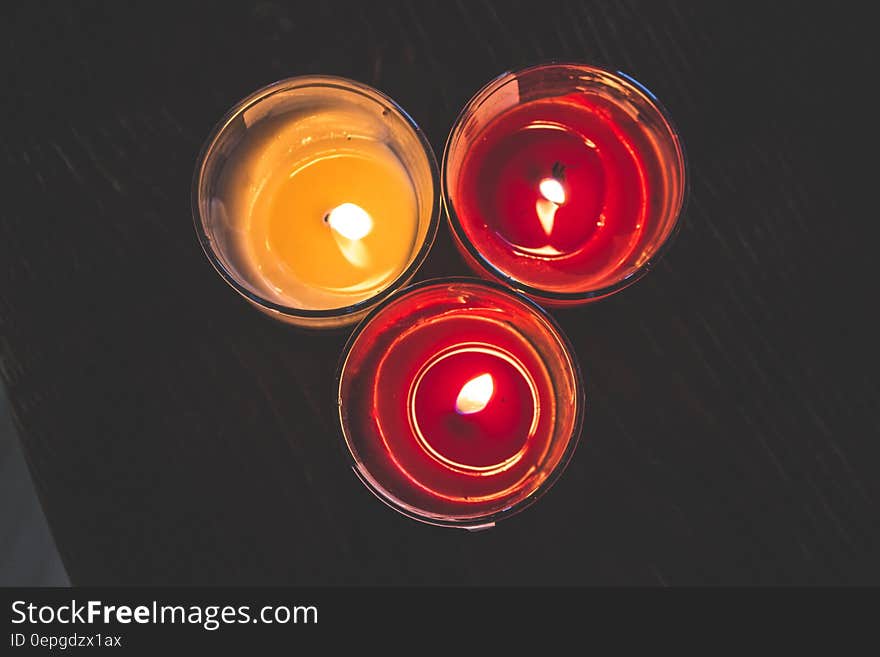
317,198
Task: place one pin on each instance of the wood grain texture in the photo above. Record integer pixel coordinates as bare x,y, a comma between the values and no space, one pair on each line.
176,436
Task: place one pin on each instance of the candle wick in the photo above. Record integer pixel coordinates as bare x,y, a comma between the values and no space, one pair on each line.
558,171
327,218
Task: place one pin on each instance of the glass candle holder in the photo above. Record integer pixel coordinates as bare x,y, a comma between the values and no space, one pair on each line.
315,198
565,181
460,402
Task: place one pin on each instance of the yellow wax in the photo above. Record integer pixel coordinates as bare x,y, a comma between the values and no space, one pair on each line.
299,254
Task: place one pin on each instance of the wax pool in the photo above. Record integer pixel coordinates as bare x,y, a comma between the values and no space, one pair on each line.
473,407
292,241
554,192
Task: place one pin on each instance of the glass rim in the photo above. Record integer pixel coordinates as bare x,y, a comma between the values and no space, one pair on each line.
542,293
298,82
490,519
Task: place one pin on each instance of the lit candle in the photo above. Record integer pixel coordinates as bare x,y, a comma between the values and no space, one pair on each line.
459,402
564,180
315,198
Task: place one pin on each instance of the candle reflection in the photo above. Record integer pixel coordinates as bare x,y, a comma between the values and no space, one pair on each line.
546,214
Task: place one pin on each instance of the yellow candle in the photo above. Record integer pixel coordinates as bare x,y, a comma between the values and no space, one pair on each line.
314,198
333,222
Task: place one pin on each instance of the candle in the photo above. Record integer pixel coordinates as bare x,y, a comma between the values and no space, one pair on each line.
315,198
459,401
563,180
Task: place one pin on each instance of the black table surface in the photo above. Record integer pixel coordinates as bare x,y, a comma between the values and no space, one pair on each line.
175,435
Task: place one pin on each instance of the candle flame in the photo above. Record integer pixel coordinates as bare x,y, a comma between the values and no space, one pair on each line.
554,195
552,190
350,220
475,395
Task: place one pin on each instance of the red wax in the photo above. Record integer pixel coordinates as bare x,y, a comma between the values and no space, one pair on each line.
579,237
481,440
458,401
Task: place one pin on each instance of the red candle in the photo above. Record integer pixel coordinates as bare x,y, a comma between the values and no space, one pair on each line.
459,402
563,180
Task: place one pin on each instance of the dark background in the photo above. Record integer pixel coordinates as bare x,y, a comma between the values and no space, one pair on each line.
177,436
